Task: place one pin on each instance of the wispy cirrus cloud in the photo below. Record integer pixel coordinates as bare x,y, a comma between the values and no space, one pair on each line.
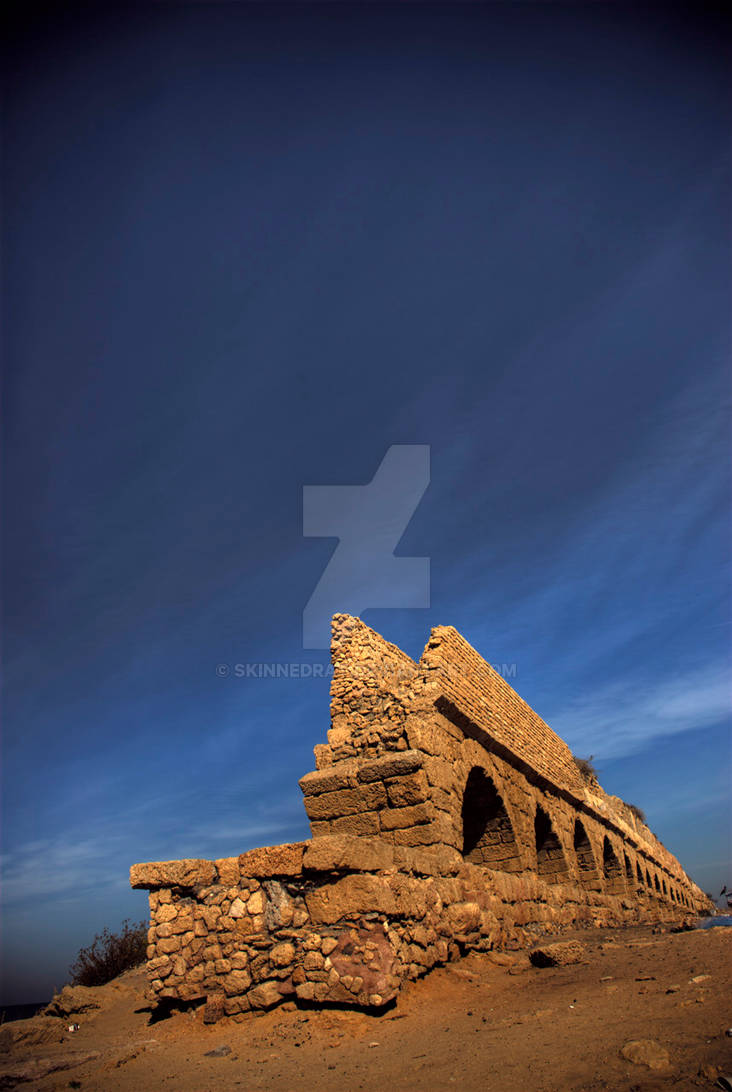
622,718
72,864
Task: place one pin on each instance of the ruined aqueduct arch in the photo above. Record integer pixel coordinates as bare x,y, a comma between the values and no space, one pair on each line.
445,815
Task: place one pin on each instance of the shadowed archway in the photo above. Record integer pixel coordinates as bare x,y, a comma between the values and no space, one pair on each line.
488,836
551,863
588,874
628,870
612,869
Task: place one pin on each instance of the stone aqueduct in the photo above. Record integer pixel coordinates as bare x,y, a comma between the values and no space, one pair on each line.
445,816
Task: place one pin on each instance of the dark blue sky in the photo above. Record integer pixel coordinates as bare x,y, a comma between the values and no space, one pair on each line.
247,249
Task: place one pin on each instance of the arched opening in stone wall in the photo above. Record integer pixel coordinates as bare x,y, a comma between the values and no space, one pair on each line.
639,873
658,886
628,869
649,881
672,894
663,885
551,863
585,857
488,837
613,870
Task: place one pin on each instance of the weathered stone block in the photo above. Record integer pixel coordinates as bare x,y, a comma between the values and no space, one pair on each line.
213,1009
560,954
410,789
265,995
332,805
399,818
228,872
330,779
236,982
284,860
282,954
358,825
343,852
391,765
353,894
167,945
190,872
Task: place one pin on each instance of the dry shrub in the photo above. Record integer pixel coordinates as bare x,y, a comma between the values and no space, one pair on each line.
110,954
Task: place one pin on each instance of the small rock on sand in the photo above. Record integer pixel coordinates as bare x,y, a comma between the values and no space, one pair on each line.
646,1052
560,954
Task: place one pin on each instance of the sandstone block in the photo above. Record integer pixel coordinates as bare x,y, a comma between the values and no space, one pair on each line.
400,818
213,1009
183,923
284,860
464,917
228,872
438,860
256,903
646,1052
367,823
236,982
167,945
167,912
328,780
190,872
410,789
282,954
323,755
265,995
333,805
560,954
343,852
352,895
391,765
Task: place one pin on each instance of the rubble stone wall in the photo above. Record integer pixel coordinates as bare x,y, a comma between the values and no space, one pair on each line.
445,816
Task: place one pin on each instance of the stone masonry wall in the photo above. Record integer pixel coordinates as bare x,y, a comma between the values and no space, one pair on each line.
445,816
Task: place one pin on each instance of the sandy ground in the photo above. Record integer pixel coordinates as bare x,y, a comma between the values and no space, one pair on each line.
491,1023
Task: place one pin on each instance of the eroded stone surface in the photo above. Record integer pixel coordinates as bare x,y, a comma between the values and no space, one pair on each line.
561,954
646,1052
